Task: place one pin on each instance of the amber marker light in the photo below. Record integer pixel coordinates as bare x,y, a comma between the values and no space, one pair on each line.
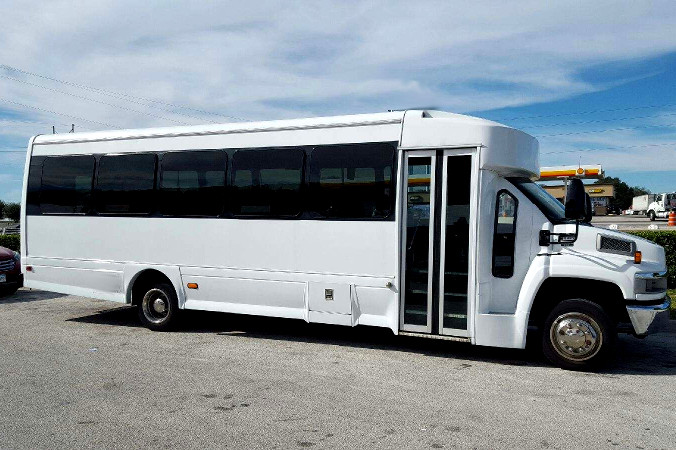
192,286
637,257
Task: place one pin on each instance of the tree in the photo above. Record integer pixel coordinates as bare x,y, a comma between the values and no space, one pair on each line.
624,194
2,208
12,211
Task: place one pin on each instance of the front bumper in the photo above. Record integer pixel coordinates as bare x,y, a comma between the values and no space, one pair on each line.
647,319
13,281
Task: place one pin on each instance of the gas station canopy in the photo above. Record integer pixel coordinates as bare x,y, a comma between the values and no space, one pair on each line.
559,172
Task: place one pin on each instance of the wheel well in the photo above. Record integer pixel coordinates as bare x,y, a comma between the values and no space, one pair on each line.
554,290
143,281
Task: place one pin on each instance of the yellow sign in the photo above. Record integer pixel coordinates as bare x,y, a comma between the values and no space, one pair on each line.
594,191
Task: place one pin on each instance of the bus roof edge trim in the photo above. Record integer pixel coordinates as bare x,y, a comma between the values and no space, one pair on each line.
199,130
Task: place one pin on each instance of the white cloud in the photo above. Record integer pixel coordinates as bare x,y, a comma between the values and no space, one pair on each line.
266,59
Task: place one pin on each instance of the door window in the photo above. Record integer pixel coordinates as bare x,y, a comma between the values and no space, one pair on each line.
504,235
419,222
454,277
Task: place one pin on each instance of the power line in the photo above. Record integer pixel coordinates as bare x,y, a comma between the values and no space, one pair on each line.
57,113
596,111
94,100
664,144
604,130
600,121
117,94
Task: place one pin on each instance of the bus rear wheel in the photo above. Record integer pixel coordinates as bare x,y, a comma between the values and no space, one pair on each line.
159,307
578,335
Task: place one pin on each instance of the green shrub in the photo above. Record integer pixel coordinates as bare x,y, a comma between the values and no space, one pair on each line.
667,239
11,241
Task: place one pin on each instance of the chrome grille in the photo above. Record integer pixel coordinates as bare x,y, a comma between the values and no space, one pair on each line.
7,265
614,245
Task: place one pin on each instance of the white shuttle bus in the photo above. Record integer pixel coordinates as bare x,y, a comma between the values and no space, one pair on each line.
424,222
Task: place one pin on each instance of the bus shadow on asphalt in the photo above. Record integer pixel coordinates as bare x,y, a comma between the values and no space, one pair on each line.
653,356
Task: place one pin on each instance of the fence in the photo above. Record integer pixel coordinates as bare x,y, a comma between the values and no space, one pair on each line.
14,229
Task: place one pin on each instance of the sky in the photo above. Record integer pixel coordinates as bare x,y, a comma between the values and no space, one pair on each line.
595,82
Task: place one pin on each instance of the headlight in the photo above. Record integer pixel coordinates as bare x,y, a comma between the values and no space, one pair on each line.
17,256
650,282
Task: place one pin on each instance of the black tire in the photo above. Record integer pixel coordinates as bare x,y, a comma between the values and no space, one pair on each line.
158,308
578,335
6,292
651,215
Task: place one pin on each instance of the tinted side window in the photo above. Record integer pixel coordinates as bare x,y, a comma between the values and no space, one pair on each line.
267,182
352,181
66,184
125,184
34,185
193,183
504,235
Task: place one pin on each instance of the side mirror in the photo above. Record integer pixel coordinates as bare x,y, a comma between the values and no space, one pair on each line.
588,212
576,201
578,208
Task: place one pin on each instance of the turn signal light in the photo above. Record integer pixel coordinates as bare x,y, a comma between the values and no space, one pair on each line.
192,285
637,257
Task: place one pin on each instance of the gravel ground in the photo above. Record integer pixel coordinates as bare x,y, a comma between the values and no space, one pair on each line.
77,372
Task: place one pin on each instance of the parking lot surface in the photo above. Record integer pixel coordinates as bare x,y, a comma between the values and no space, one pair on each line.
77,372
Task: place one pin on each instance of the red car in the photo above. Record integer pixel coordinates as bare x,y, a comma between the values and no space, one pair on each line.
11,277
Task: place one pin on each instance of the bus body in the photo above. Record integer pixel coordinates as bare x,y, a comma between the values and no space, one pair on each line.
423,222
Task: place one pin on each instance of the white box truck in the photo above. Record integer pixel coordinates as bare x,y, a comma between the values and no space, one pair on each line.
640,203
654,205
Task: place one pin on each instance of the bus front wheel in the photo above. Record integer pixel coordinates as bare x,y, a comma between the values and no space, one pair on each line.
578,335
159,307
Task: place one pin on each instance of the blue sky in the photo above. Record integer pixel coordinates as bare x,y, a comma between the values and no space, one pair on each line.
595,82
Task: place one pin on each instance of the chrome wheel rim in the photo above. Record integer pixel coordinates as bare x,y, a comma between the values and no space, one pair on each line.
155,305
576,336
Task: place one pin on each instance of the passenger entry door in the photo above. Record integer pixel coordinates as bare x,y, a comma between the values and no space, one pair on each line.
437,238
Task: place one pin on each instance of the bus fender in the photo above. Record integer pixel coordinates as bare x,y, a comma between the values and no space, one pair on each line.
173,273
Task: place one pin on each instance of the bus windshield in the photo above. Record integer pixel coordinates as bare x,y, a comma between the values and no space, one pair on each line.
550,207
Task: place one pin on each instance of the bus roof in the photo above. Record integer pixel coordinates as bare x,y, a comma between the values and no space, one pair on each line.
252,127
508,151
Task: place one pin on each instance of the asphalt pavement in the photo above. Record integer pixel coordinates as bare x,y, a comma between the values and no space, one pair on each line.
630,223
77,372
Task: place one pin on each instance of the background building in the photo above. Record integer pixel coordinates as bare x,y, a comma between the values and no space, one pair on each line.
600,195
